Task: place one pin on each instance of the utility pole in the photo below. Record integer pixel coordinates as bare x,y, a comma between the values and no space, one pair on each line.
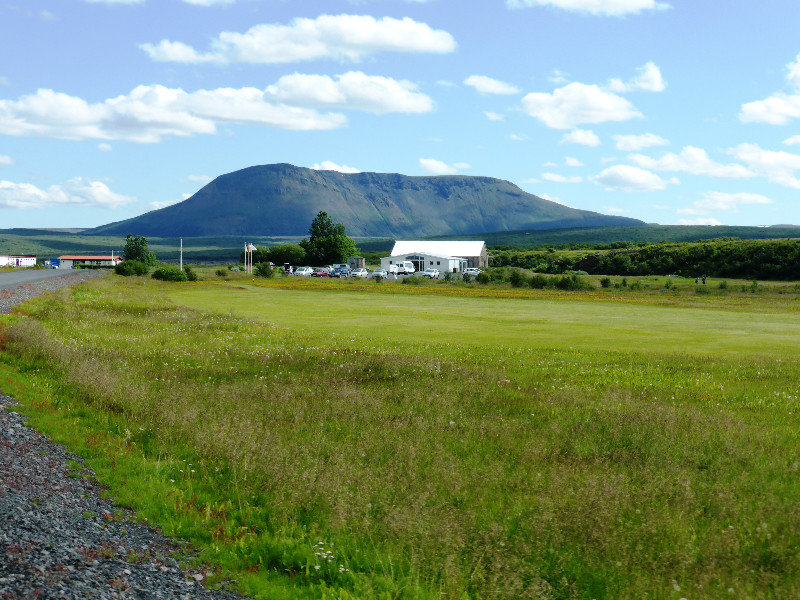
181,254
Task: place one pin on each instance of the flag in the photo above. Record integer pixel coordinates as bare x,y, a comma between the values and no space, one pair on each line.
252,248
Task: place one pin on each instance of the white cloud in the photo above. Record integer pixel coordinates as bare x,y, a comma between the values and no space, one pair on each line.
487,85
778,167
104,147
437,167
352,90
550,198
556,178
613,8
165,203
493,116
780,108
151,112
339,37
627,178
699,222
695,161
649,79
614,210
572,162
517,137
632,143
201,179
5,161
327,165
795,139
578,103
75,192
583,137
722,201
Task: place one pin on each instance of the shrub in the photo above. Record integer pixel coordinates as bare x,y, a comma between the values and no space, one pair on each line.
377,278
169,274
539,282
482,278
572,282
414,280
466,278
220,272
131,267
517,278
636,285
263,269
190,274
605,282
624,282
723,285
669,285
701,290
448,276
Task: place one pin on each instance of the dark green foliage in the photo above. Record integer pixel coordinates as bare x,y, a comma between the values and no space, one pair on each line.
281,199
136,249
294,254
482,278
415,280
539,281
328,242
572,282
190,274
131,267
517,278
723,285
605,282
263,269
169,274
466,278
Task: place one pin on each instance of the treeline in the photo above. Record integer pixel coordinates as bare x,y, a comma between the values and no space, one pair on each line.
734,258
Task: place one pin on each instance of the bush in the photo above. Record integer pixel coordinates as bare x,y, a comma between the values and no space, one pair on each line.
220,272
482,278
539,282
517,278
624,282
572,282
264,269
169,274
131,267
414,280
723,285
605,282
190,274
466,278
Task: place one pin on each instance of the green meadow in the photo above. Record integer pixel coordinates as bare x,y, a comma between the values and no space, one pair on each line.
361,440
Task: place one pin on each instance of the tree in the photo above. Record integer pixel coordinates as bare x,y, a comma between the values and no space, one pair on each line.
328,242
136,249
287,253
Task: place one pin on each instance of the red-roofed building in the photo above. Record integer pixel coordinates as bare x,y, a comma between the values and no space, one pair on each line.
69,261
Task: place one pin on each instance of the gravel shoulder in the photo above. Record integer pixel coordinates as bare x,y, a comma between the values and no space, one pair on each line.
19,286
59,538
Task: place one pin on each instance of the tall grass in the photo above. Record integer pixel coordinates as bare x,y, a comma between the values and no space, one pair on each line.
425,469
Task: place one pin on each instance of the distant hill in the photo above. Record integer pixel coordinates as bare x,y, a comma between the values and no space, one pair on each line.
282,200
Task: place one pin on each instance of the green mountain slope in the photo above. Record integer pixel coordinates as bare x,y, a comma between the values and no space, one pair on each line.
281,199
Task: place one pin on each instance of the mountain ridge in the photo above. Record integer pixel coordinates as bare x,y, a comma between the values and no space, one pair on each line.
282,199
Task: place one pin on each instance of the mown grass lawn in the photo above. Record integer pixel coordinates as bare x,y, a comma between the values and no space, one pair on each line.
330,441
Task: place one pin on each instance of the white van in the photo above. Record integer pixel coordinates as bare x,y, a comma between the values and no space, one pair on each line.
403,267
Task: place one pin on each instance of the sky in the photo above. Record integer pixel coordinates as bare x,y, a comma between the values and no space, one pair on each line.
668,111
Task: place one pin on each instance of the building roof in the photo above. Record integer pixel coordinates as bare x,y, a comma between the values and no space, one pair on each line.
441,248
88,257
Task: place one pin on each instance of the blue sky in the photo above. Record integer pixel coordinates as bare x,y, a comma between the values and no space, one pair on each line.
670,111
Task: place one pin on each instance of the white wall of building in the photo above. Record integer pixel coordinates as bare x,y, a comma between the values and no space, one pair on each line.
445,264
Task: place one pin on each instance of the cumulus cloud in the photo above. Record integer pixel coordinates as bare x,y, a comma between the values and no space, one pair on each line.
722,201
518,137
633,143
165,203
572,162
778,167
627,178
493,116
5,161
557,178
328,165
576,104
780,107
75,192
352,90
339,37
201,179
611,8
487,85
550,198
438,167
695,161
150,113
795,139
705,221
582,137
649,79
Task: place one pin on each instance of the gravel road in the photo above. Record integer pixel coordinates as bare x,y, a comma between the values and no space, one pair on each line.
58,537
18,286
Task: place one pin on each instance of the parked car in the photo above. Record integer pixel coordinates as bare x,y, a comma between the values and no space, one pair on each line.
402,268
382,273
303,271
361,272
473,271
431,273
342,272
321,272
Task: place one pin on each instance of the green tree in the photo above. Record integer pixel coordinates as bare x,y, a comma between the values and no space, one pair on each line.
293,254
136,249
328,242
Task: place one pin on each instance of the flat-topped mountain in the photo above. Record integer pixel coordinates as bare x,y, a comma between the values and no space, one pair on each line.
282,200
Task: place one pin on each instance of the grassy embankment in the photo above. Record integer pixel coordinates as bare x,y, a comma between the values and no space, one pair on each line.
600,444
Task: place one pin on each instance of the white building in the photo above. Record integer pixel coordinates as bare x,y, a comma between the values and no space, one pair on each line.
17,260
72,260
447,256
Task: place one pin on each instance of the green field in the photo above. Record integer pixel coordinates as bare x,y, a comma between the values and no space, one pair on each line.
356,440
